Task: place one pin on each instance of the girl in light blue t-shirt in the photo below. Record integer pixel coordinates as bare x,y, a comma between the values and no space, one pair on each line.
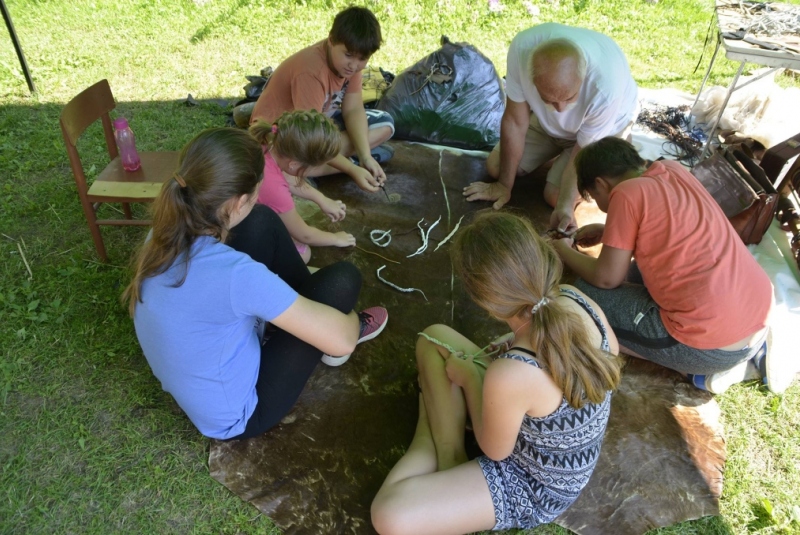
212,271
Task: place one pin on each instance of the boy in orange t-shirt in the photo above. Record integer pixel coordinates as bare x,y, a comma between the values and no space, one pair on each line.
695,300
326,77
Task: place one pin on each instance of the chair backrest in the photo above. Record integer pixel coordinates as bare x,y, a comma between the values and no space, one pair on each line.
91,104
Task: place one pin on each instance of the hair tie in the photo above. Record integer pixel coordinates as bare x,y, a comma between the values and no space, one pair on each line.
274,128
179,179
542,302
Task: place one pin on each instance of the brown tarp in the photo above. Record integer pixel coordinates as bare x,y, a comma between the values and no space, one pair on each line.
318,471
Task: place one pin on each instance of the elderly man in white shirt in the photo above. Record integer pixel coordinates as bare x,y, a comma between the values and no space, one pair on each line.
566,87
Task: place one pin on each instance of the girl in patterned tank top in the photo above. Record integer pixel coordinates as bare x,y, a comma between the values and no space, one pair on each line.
539,410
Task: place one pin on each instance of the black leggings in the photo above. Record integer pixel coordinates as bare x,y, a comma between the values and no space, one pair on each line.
286,361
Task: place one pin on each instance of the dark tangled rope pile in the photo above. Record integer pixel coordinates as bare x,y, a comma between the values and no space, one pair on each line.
673,123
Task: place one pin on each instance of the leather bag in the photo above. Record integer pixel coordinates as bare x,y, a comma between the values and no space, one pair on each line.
725,184
742,189
753,222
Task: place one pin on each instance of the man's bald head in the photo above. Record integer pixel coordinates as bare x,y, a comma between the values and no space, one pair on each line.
558,68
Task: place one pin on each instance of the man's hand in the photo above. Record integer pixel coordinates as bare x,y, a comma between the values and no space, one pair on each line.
374,169
335,210
488,191
364,179
589,235
563,220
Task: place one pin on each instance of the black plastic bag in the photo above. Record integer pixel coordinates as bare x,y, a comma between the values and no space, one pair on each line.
256,84
451,97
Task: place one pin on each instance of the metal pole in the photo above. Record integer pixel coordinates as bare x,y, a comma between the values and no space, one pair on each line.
708,72
711,132
17,46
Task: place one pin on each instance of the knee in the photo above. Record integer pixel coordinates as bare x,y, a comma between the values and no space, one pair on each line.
347,275
434,331
382,134
423,350
388,518
264,215
551,194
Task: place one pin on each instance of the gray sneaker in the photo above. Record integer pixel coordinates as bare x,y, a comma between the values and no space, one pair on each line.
381,154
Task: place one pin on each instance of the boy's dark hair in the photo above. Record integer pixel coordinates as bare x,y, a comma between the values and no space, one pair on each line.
610,157
358,30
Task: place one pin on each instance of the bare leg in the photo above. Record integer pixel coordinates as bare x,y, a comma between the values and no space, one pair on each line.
416,499
551,192
444,401
376,136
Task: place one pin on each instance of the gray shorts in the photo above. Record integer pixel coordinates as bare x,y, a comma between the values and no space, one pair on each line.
636,320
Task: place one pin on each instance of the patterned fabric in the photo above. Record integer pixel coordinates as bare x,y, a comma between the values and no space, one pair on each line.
553,458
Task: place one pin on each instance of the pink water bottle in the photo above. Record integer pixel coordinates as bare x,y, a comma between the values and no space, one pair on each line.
126,143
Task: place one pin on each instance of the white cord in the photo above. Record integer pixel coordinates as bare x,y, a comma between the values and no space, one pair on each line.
381,238
396,287
452,232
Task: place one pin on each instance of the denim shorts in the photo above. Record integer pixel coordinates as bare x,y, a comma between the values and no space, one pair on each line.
636,320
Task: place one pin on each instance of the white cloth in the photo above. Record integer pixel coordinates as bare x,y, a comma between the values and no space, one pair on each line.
608,98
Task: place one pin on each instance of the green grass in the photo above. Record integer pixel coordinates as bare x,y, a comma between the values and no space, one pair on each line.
88,441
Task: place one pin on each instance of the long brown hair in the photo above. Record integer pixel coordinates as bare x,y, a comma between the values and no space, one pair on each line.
218,165
506,268
305,136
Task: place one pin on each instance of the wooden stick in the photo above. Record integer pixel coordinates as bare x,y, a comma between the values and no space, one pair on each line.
22,254
376,254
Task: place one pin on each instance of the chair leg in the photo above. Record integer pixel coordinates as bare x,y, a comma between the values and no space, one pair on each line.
94,229
126,209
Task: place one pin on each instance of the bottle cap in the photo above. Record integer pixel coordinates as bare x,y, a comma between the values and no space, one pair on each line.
120,123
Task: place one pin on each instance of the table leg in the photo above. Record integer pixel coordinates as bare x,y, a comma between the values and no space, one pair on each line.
713,128
708,72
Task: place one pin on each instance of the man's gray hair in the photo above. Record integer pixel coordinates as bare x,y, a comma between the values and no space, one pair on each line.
557,49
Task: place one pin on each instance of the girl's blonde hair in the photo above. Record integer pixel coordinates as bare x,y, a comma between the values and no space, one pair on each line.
218,165
507,268
305,136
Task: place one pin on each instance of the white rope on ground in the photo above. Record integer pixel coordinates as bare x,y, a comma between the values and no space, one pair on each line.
452,232
451,349
396,287
425,236
381,238
444,189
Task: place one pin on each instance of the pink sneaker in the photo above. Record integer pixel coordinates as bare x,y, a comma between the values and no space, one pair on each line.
373,320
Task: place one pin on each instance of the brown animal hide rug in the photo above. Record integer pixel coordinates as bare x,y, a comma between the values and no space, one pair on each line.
318,471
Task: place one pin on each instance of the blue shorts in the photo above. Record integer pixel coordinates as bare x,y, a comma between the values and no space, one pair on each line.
375,119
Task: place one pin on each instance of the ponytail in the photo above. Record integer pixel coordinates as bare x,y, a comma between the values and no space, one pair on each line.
510,272
581,370
218,165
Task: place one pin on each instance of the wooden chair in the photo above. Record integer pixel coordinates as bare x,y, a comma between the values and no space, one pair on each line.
113,184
